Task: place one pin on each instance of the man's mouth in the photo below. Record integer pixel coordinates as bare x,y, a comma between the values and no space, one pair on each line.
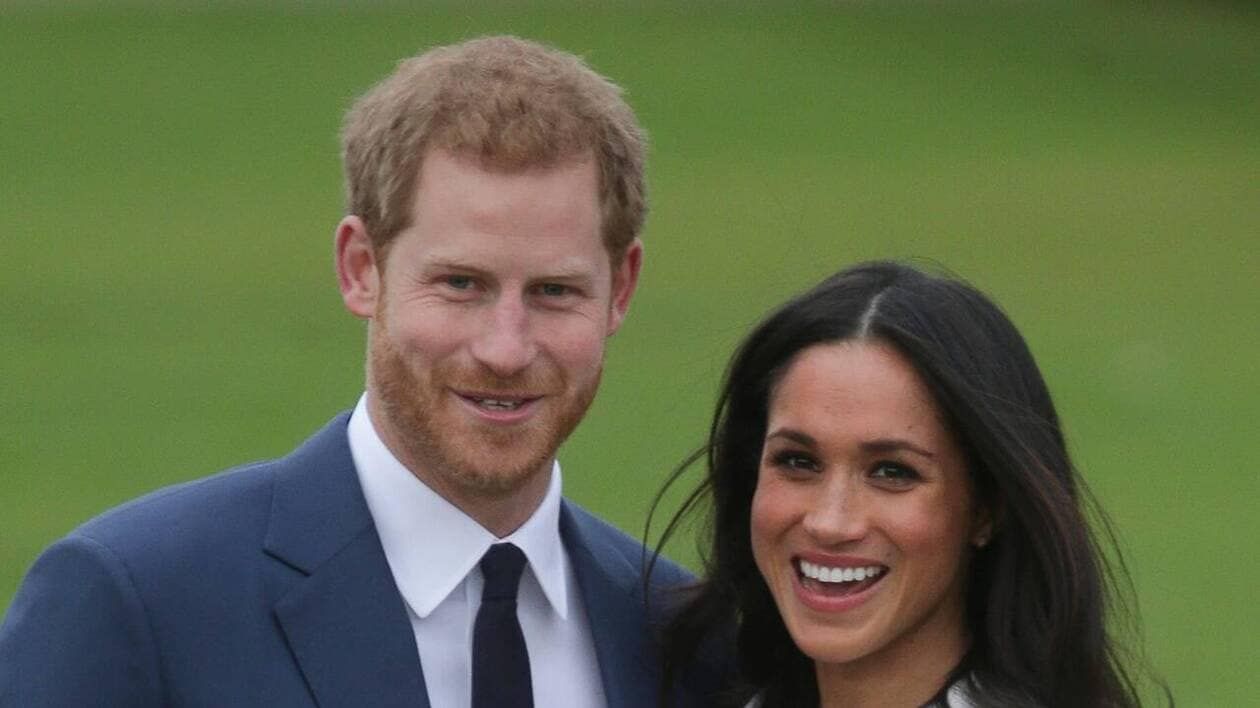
837,581
498,404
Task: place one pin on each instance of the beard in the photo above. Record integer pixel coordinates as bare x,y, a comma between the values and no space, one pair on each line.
436,438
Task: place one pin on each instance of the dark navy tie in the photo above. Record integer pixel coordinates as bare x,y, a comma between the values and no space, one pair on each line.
500,674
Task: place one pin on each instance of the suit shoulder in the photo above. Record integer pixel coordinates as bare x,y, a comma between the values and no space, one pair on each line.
596,530
201,509
629,549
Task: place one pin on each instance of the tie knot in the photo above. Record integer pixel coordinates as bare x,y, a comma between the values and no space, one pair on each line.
502,566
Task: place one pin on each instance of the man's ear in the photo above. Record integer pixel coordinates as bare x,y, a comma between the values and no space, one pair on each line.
625,278
358,274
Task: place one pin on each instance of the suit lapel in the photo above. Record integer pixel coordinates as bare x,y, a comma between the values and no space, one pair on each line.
611,591
343,617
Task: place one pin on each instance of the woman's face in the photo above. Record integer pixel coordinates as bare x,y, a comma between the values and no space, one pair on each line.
863,512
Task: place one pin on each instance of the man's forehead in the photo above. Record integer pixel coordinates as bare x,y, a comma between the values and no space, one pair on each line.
505,163
485,255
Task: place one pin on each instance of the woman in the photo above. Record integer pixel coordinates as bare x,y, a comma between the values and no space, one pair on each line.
894,517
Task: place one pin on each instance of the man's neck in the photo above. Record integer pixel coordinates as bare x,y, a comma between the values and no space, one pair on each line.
498,511
500,515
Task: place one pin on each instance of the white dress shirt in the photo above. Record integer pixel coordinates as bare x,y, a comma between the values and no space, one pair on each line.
433,549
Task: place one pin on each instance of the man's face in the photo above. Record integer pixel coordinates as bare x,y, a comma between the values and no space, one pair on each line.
487,339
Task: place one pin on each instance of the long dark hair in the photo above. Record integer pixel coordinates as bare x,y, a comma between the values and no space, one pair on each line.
1040,594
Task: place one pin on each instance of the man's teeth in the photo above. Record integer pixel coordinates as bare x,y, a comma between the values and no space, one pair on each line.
828,574
498,405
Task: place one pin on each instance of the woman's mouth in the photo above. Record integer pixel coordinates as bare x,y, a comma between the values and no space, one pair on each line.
837,580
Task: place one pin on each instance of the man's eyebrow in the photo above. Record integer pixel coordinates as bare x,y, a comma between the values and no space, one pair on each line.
557,271
453,264
561,271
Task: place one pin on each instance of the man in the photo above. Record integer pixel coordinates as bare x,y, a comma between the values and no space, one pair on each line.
400,556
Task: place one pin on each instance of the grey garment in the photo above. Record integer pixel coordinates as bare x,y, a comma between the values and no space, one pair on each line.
959,695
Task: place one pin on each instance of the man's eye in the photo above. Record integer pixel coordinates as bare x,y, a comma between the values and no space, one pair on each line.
553,289
459,282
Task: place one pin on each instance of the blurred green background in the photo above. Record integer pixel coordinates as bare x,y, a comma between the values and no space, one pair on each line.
169,183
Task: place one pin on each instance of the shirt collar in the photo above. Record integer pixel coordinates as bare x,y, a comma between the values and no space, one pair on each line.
432,545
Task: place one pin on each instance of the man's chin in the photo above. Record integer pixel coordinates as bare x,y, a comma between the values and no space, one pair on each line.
482,479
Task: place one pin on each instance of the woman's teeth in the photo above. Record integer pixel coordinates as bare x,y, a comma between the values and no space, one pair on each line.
829,574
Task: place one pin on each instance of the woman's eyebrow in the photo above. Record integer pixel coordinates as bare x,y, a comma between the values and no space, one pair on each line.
794,435
884,445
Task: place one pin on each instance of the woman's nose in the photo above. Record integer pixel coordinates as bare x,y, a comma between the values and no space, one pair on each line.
837,514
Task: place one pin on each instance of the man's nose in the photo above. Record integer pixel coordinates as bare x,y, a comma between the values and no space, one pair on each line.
505,344
838,514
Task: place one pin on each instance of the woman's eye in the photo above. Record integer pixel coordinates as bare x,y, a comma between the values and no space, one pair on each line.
894,472
795,461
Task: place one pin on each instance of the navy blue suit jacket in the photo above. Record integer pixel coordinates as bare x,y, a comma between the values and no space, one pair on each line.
267,585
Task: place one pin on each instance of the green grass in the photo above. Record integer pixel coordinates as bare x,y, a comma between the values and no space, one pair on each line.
169,184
